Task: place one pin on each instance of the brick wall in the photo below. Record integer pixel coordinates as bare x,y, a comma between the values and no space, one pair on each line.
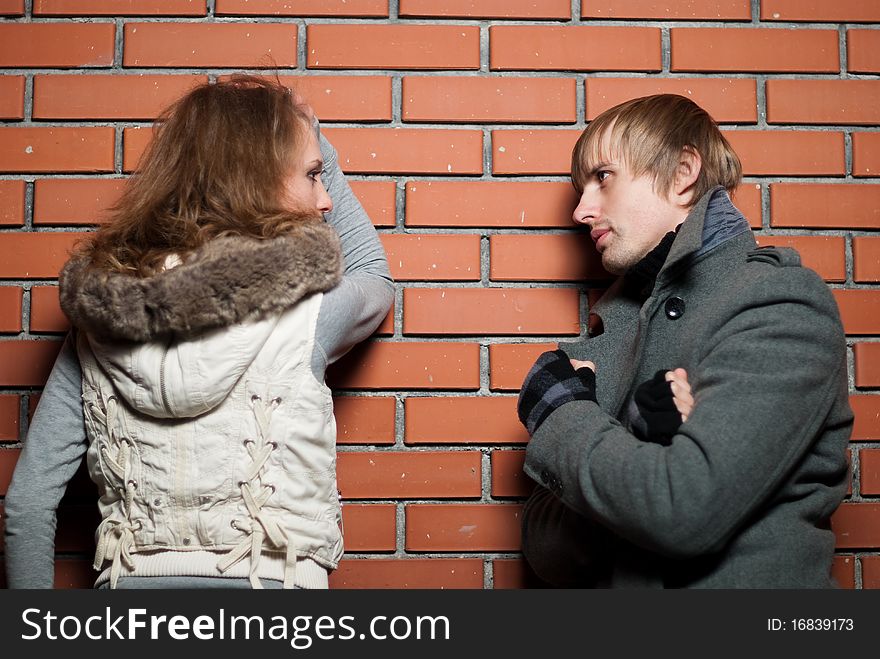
455,122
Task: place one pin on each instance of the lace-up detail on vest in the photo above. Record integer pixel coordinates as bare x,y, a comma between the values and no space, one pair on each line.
259,525
116,537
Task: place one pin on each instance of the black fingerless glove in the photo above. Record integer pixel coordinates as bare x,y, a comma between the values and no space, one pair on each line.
655,404
551,383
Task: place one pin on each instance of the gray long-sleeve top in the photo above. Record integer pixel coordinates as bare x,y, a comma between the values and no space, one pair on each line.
56,439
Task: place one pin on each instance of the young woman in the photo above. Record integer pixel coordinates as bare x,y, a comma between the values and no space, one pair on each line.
208,308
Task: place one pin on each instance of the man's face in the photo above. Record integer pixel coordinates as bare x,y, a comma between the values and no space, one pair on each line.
626,216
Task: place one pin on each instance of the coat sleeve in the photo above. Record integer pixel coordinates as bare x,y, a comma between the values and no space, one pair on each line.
53,450
762,390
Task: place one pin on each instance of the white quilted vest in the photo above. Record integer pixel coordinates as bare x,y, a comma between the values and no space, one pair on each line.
214,456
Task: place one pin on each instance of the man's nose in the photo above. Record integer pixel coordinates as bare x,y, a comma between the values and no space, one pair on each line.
587,210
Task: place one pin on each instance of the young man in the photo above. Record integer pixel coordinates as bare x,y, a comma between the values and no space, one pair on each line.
641,484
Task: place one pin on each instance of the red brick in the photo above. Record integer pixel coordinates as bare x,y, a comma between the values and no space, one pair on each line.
370,527
860,310
715,10
463,420
788,152
134,144
26,363
544,258
11,7
409,573
10,309
823,102
379,200
863,51
393,46
426,257
866,154
843,569
408,150
252,45
120,7
361,8
754,49
824,254
825,206
12,203
108,96
463,527
747,198
409,475
8,458
483,311
74,573
46,314
867,364
56,45
869,472
345,98
857,525
866,257
514,204
56,149
495,100
728,100
409,365
870,572
74,201
843,11
509,363
508,478
512,573
34,255
533,151
546,9
11,97
364,420
866,408
574,48
10,407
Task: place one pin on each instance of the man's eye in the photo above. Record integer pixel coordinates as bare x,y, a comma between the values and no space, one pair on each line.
602,175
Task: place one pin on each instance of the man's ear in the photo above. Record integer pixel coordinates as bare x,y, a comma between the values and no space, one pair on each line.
686,174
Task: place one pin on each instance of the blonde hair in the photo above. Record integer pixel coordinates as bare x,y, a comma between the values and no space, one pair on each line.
650,134
216,167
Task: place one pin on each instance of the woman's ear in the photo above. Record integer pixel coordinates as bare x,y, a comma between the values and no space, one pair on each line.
686,174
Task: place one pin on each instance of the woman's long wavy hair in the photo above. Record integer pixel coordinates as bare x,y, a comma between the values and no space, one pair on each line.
215,167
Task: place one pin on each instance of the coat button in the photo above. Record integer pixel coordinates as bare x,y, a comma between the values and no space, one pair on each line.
674,308
545,476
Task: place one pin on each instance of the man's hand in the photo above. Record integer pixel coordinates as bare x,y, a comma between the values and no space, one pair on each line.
551,383
681,392
664,402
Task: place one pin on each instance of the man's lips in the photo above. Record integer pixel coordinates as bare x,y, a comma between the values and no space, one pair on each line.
598,236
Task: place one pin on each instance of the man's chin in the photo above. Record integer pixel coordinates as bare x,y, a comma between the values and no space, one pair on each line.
613,266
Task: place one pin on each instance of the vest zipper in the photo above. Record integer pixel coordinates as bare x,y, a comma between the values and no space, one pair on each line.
162,384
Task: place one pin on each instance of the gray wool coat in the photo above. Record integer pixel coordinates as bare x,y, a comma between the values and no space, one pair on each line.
743,494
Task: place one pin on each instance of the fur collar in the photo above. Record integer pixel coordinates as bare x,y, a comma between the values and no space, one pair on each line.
226,281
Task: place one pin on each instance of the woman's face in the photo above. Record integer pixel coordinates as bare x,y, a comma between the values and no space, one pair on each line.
303,187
